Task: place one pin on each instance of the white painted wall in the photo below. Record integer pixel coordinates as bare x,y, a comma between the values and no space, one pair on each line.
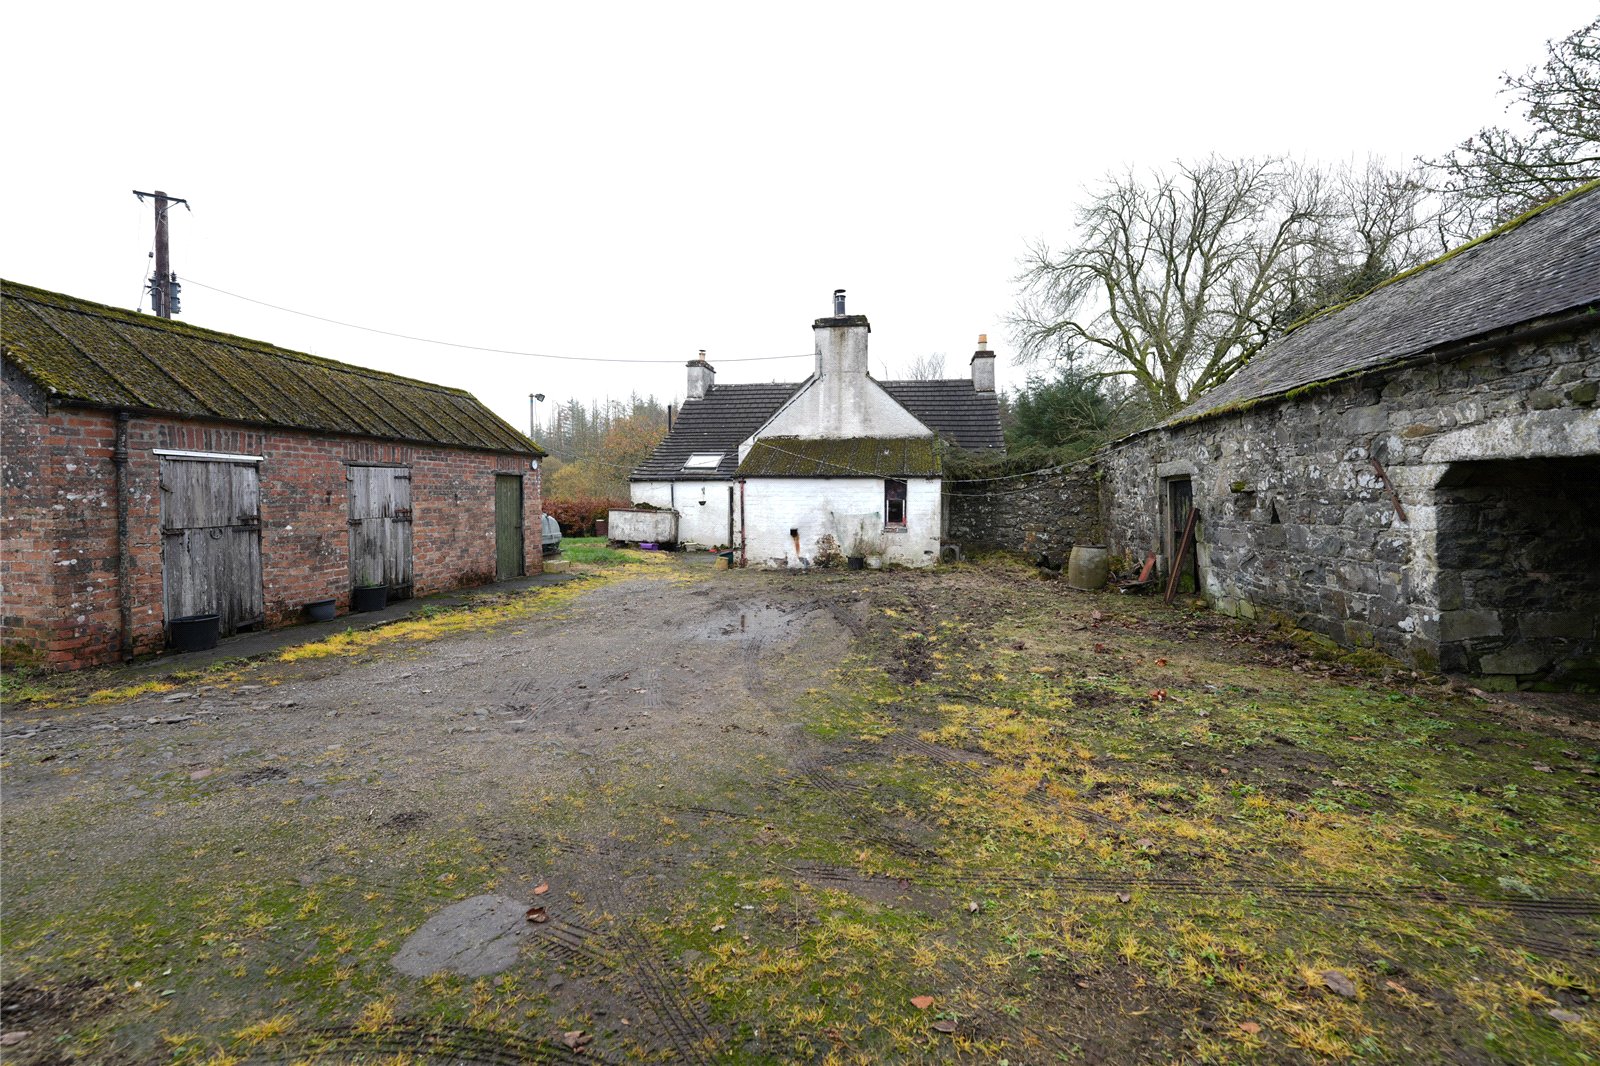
653,526
702,508
845,508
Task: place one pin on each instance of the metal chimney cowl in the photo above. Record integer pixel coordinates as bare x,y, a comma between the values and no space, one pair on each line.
838,303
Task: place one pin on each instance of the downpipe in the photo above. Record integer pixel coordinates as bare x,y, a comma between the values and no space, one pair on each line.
119,460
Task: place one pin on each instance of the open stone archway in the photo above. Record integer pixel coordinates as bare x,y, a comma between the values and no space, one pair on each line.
1517,546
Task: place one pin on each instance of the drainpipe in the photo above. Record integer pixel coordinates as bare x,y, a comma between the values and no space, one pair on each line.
742,540
119,459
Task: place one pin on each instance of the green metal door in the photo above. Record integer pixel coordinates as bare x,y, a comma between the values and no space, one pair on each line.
507,526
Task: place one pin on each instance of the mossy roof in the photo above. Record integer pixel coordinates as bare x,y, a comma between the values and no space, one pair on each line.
1544,263
896,457
87,353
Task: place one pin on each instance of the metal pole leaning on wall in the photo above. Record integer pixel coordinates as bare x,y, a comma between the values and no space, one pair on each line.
119,460
1180,555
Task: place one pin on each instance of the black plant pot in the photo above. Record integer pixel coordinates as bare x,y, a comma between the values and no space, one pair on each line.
195,632
320,611
855,562
369,598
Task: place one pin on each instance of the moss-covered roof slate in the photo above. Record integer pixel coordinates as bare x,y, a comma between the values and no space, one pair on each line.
88,353
1545,263
850,457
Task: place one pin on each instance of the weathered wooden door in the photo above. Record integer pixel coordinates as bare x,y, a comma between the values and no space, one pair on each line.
508,562
211,541
1180,501
380,528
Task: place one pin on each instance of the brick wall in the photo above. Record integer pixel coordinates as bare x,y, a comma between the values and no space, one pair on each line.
59,568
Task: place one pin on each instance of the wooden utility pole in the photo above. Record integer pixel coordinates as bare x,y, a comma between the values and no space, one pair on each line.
164,283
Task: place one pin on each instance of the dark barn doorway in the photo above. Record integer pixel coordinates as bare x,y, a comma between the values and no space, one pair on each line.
1519,572
1184,561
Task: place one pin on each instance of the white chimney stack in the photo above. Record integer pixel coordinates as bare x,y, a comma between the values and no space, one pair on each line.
702,375
983,366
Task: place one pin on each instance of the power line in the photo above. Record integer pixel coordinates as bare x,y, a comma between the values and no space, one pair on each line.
479,347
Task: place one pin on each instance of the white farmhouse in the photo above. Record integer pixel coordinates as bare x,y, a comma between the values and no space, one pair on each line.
838,466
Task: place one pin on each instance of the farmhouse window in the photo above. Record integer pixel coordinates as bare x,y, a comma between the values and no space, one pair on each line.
894,503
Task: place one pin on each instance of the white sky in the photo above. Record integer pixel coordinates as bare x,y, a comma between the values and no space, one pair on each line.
646,180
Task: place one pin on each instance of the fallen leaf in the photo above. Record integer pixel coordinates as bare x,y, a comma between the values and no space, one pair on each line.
922,1002
542,889
1099,649
1338,983
1359,738
1096,616
1542,768
1478,692
1250,1027
1395,986
972,906
16,1036
1124,897
1161,662
719,927
944,1025
537,915
1144,842
576,1039
1158,694
1564,1015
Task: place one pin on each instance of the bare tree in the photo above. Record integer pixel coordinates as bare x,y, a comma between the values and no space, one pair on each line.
1380,222
1498,173
1175,281
929,367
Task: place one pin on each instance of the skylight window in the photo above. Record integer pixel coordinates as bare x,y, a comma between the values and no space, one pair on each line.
704,461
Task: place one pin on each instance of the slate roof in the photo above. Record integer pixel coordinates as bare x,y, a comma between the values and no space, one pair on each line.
718,422
87,353
952,408
728,414
1543,264
849,457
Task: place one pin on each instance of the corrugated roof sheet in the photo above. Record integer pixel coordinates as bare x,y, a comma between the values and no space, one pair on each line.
728,414
1546,264
103,356
849,457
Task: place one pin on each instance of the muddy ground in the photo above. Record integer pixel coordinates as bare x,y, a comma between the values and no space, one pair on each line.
667,814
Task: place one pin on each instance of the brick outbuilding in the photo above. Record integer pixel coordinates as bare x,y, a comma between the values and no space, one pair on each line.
151,469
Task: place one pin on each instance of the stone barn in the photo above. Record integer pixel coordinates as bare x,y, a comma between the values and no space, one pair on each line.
153,470
1417,471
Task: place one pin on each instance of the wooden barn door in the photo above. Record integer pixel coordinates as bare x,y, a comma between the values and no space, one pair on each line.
508,561
211,541
380,528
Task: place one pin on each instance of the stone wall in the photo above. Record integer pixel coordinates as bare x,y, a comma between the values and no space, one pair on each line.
1042,514
1297,522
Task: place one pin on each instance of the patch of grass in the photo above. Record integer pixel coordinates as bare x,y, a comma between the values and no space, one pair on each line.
593,551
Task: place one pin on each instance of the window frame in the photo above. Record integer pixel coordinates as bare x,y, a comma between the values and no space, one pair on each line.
889,499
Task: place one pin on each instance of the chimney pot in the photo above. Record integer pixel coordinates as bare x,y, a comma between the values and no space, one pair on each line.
838,303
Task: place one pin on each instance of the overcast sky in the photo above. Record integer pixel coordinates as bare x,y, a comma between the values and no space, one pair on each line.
647,180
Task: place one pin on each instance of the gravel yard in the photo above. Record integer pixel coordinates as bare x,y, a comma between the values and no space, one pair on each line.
665,813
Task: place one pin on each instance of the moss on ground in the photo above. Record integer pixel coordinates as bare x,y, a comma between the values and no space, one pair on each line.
1087,828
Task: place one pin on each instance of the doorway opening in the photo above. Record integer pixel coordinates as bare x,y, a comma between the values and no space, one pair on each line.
1518,585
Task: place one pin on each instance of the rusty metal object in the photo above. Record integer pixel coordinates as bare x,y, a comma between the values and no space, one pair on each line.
1178,557
1383,476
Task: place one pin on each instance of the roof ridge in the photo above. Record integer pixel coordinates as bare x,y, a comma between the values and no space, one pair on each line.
34,294
1411,272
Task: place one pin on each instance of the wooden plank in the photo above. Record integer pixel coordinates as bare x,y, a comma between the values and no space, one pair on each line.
1178,557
